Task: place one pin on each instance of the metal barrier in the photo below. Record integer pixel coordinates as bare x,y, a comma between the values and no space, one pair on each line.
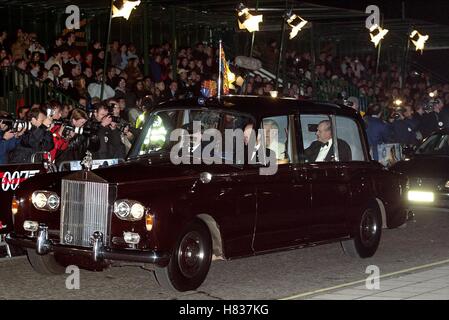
19,88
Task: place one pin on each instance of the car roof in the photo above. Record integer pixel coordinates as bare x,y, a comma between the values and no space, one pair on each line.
262,105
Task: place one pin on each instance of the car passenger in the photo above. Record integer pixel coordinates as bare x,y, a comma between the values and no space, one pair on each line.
322,150
272,139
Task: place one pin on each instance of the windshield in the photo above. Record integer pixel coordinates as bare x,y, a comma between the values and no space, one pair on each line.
437,144
155,136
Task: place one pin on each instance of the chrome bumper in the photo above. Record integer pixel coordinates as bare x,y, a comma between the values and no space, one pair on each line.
99,252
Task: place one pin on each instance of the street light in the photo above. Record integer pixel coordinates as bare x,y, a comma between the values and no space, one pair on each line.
123,8
247,20
377,34
418,40
296,23
119,8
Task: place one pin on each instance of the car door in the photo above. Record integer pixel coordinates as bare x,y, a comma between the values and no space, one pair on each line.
329,190
283,198
356,170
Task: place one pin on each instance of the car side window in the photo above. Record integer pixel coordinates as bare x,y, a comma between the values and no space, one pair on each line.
317,138
234,127
279,138
350,146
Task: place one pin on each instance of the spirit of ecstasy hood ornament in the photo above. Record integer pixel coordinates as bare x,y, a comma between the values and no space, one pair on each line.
87,161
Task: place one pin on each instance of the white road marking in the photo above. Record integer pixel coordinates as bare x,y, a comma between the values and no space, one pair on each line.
305,294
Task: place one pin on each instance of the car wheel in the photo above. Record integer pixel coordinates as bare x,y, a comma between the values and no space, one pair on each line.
44,264
190,260
366,235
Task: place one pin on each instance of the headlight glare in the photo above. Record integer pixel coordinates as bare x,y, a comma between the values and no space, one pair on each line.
122,209
45,200
53,202
421,196
39,199
137,211
129,210
31,226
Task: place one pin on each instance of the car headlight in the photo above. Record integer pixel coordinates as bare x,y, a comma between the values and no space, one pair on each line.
45,200
129,210
421,196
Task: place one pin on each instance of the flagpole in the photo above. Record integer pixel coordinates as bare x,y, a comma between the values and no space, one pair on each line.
106,51
219,69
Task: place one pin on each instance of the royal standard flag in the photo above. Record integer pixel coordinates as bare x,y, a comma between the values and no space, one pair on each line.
228,76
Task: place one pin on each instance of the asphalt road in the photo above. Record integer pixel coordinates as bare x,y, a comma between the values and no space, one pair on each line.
272,276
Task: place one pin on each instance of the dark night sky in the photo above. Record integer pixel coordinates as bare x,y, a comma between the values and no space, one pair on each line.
431,10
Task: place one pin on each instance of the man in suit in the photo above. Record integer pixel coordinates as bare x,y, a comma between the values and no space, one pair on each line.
377,130
322,150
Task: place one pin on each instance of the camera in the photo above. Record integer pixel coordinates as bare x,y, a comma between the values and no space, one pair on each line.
123,125
428,107
114,118
397,113
348,103
343,98
20,125
68,129
15,125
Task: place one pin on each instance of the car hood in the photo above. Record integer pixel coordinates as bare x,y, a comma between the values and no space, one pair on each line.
143,169
424,166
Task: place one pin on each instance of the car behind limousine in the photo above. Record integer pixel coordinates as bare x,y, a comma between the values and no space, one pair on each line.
177,217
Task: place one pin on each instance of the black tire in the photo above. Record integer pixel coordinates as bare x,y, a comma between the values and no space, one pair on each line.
366,235
190,260
44,264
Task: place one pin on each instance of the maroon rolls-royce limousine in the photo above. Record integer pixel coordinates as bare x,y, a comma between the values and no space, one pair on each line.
177,216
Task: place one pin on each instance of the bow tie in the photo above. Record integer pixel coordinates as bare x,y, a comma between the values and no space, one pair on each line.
324,144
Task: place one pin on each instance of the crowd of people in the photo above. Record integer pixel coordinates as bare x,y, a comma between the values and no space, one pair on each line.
399,109
110,110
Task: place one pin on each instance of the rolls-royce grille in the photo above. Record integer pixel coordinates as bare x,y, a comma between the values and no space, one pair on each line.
84,210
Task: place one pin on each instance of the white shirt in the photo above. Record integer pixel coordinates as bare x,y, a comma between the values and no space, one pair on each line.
323,152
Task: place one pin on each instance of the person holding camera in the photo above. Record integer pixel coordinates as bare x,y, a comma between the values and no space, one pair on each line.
37,139
433,118
81,134
9,139
110,143
66,137
127,133
404,126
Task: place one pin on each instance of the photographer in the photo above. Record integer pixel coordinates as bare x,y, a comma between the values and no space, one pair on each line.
66,133
79,141
433,118
404,126
111,145
37,139
126,134
9,140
